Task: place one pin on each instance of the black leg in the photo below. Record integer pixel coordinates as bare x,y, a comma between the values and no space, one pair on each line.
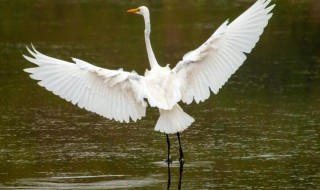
181,158
169,157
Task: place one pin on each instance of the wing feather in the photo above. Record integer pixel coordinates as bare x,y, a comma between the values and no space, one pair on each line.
212,64
109,93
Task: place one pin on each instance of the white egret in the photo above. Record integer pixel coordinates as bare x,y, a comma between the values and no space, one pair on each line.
123,96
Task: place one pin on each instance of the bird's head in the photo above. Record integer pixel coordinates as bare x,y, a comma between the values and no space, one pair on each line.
143,10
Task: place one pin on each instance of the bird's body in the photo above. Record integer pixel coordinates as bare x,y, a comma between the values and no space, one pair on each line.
163,88
120,95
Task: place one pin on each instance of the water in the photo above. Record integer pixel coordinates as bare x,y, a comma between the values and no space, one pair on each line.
260,132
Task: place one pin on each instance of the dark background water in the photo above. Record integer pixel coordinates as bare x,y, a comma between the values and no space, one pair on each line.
260,132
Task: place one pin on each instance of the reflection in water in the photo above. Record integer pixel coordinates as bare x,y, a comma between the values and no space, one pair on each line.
169,176
180,176
181,163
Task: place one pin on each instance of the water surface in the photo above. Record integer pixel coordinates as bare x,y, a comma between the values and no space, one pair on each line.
260,132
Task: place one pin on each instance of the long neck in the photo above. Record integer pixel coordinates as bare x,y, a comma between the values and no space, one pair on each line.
152,58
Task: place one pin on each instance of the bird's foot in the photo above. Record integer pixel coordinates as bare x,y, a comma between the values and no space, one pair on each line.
169,160
181,160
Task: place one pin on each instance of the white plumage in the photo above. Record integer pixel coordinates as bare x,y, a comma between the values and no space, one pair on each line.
120,95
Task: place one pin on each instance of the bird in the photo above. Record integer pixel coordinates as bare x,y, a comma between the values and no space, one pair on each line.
124,96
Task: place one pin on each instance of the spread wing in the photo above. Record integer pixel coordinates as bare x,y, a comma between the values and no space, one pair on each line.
212,64
113,94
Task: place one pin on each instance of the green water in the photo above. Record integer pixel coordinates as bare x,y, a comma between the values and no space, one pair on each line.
260,132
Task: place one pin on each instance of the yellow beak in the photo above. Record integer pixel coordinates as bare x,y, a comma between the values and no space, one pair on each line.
132,10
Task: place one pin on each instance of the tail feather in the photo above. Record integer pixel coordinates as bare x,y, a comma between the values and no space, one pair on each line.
173,121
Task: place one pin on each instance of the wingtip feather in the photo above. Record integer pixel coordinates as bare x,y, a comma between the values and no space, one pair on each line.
270,15
270,8
32,60
31,52
34,49
29,70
